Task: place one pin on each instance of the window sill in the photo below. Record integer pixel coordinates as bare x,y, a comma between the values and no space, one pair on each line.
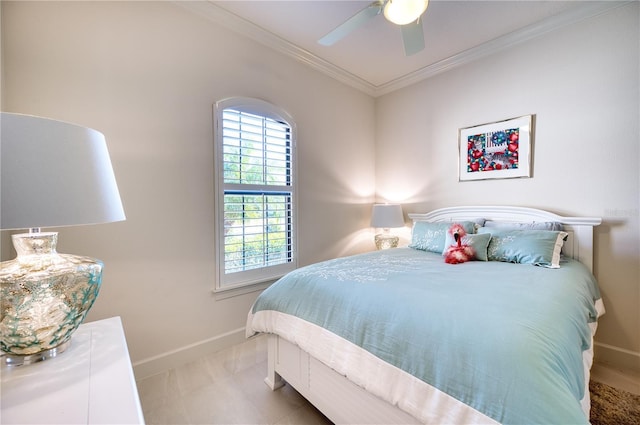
224,293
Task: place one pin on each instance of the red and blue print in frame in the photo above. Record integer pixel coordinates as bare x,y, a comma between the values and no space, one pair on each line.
497,150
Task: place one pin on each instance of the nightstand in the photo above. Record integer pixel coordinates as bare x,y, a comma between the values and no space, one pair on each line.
92,382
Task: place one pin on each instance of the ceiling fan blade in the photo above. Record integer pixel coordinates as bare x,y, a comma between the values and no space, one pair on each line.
352,23
412,37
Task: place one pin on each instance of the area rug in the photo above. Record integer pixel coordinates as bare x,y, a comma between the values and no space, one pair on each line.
611,406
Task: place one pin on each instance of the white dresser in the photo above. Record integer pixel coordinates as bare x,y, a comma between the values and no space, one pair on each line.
91,382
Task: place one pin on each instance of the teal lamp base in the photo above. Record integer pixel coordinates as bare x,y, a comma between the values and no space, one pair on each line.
44,297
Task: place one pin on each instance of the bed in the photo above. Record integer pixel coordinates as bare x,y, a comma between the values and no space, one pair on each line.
400,336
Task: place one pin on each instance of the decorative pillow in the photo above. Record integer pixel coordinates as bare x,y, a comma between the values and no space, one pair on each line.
478,242
536,225
537,247
427,236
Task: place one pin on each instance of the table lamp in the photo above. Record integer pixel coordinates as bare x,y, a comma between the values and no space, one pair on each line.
52,174
386,216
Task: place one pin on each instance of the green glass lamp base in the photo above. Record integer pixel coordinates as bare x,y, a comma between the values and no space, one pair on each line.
45,297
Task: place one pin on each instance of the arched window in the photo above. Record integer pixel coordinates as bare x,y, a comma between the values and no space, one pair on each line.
255,192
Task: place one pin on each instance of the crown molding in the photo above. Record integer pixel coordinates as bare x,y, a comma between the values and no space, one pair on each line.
243,27
572,16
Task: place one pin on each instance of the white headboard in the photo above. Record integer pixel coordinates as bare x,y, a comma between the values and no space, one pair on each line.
579,244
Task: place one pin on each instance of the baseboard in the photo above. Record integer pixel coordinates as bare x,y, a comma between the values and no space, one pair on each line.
616,357
171,359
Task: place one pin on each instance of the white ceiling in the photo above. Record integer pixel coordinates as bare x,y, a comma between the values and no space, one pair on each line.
372,58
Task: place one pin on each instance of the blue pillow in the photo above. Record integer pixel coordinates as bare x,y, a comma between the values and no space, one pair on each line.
537,247
478,242
427,236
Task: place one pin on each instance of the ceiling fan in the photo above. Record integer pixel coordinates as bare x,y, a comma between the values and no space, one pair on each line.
405,13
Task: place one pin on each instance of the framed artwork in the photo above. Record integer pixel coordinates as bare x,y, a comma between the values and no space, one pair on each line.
497,150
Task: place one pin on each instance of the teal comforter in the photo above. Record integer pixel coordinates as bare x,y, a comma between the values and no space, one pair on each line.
506,339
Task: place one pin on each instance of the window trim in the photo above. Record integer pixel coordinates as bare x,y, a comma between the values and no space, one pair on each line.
254,279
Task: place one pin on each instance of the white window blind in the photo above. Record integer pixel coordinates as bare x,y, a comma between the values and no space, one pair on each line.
257,150
257,230
257,227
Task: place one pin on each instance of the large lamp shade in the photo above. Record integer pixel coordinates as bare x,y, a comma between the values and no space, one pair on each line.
53,174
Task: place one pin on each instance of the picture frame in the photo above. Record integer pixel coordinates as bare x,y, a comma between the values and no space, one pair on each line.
496,150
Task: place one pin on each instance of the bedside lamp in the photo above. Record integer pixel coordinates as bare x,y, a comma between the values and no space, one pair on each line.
51,174
386,216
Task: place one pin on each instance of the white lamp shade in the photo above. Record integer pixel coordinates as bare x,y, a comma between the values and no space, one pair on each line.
387,216
54,173
403,12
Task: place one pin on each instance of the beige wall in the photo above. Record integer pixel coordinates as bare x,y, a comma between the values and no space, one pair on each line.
582,83
146,75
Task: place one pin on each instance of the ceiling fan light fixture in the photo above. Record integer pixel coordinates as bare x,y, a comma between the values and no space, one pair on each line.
403,12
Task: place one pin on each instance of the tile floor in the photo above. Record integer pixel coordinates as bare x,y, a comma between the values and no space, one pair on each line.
227,388
224,388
